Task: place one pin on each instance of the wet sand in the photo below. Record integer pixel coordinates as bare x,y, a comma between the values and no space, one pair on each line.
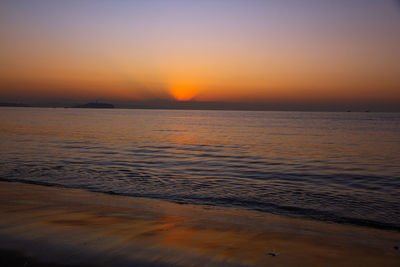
42,225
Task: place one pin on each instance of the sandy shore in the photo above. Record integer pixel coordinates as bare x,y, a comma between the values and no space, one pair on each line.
54,225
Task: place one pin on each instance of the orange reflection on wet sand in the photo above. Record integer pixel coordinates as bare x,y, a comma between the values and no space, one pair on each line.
81,227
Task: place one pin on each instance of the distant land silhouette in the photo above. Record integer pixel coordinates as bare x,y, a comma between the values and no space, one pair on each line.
212,105
95,105
7,104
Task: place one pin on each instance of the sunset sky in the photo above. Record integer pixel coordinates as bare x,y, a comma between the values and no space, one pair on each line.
250,51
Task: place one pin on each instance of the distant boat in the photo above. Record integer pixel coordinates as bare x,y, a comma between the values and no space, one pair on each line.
95,105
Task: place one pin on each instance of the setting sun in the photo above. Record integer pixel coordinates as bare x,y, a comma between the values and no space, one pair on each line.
183,92
252,53
200,133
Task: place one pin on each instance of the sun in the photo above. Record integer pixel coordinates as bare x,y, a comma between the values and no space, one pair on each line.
183,92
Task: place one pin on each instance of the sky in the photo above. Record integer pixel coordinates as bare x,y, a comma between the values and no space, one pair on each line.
272,52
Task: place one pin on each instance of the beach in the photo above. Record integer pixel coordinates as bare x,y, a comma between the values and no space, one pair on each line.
50,225
199,133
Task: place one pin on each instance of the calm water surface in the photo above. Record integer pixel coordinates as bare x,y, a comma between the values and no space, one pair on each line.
339,167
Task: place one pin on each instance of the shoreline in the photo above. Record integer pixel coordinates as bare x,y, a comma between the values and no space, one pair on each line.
76,227
333,218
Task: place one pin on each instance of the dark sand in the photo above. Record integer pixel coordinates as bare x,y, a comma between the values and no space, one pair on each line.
46,225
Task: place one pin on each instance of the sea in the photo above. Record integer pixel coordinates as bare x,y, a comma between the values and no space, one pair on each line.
339,167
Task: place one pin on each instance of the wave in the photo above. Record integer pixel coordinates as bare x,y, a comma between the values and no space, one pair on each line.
283,210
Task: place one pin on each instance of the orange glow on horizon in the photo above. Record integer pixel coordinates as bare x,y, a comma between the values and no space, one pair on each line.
245,52
183,92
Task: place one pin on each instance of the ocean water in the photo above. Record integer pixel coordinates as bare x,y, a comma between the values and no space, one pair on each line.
336,167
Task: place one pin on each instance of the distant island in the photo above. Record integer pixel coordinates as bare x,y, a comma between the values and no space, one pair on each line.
95,105
6,104
206,105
